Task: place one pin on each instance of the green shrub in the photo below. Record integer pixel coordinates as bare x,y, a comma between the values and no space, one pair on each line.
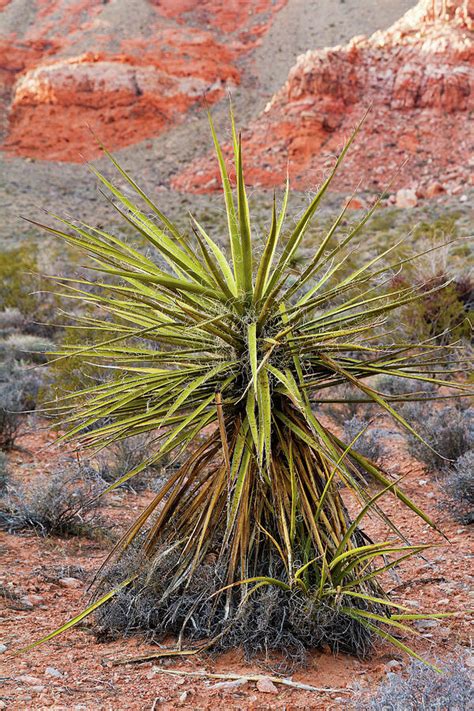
16,268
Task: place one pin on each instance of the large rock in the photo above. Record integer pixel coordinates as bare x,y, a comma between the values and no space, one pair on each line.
151,63
417,77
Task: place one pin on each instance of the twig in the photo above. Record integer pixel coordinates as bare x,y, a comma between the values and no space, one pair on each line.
252,677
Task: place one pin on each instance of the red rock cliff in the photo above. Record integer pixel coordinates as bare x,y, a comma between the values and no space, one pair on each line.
419,78
79,64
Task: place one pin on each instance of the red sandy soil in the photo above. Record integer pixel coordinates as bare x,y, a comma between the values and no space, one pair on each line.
79,64
89,679
418,78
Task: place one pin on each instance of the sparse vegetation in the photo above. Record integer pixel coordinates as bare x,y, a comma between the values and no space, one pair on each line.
4,472
18,394
448,429
422,689
369,443
61,504
460,486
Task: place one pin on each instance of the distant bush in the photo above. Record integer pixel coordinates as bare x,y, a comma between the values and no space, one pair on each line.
23,346
449,430
402,386
342,411
15,285
61,504
460,487
18,393
445,314
124,455
423,689
11,320
4,472
369,444
23,291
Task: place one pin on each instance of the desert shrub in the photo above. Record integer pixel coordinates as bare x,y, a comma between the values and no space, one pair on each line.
26,347
370,443
16,266
18,394
224,355
61,504
423,689
444,314
449,430
404,387
11,320
345,404
4,472
460,486
23,291
70,374
121,457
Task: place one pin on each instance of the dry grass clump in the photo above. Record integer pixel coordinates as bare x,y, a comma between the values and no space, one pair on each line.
62,504
422,689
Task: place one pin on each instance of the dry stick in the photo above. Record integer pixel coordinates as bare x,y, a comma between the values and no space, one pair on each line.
251,677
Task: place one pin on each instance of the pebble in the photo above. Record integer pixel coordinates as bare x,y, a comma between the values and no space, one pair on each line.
28,679
393,664
70,583
36,599
26,602
266,686
426,624
435,189
182,697
406,198
3,648
51,671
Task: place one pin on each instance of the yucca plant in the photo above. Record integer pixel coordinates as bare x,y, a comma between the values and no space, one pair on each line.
229,359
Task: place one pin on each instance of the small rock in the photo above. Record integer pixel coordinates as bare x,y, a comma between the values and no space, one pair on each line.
434,189
26,603
266,686
3,705
70,583
30,680
36,599
38,689
422,482
426,624
182,697
356,204
51,671
463,198
406,198
230,684
3,648
393,664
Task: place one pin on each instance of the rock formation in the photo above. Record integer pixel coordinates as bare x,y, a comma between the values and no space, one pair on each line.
148,67
418,79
